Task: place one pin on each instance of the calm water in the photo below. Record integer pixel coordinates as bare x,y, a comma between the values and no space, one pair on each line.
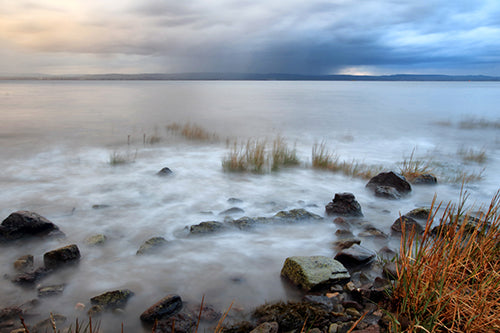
57,137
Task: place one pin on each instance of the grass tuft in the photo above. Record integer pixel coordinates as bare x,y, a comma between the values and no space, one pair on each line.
473,155
120,158
282,156
412,168
192,132
478,123
449,281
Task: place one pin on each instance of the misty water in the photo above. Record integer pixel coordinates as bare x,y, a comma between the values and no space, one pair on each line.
57,138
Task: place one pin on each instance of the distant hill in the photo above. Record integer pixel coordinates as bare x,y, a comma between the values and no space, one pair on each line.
249,76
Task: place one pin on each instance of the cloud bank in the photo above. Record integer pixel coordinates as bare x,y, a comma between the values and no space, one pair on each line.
304,37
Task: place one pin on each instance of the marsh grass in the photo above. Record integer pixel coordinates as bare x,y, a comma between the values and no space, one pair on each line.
449,280
478,123
322,158
192,132
254,156
120,158
412,168
472,155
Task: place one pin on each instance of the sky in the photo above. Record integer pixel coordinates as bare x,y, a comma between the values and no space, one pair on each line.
361,37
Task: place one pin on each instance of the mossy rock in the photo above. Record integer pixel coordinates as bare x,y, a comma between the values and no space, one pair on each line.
420,213
297,215
112,299
206,227
95,240
151,245
314,272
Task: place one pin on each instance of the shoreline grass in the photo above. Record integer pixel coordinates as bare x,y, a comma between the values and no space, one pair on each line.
192,132
450,280
473,155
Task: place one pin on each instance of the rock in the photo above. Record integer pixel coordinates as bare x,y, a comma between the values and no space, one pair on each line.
243,223
32,277
346,243
355,255
63,256
151,245
234,200
208,313
164,172
95,310
11,312
297,215
47,325
164,308
112,299
95,240
271,327
389,179
323,301
24,263
372,232
314,272
341,222
386,253
375,328
419,213
51,290
344,204
390,271
100,206
206,227
24,224
178,323
425,179
387,192
232,211
409,224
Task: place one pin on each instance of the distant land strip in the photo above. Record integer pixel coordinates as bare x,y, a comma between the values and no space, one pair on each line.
252,77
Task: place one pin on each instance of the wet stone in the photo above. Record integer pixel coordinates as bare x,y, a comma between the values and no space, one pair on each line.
24,224
95,240
409,224
390,179
387,192
60,257
421,213
24,263
425,179
297,215
164,308
164,172
346,243
232,211
206,227
54,290
344,204
267,327
112,299
355,255
151,245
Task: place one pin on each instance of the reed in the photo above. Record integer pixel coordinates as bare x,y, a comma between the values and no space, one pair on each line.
412,168
473,155
119,158
449,280
478,123
281,155
250,156
192,132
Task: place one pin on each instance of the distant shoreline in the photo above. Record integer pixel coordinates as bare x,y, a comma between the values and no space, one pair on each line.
249,77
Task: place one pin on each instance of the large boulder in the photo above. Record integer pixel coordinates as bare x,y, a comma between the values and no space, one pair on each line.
116,299
60,257
314,272
163,309
382,183
23,224
344,204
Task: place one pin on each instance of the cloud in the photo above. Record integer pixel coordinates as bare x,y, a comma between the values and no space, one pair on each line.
314,37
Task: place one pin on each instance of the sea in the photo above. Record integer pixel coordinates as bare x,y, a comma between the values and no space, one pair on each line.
58,139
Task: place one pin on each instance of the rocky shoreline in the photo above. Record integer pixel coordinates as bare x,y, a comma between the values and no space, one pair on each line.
341,294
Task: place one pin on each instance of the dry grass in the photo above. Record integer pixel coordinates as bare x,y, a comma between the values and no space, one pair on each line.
449,281
192,132
120,158
322,158
412,168
472,155
475,123
253,156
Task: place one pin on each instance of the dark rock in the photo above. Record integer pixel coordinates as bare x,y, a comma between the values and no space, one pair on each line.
314,272
63,256
375,328
32,277
344,204
112,299
386,253
12,312
341,233
426,179
297,215
266,327
23,224
390,271
164,172
419,213
341,222
95,240
346,243
95,310
50,290
387,192
352,304
323,301
409,224
232,211
179,323
355,255
100,206
164,308
208,313
151,245
47,325
372,232
24,263
390,179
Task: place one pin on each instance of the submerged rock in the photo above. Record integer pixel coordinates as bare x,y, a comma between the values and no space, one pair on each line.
421,213
206,227
243,223
344,204
355,255
24,224
164,172
425,179
381,182
94,240
179,323
387,192
297,215
409,224
32,277
314,272
112,299
24,263
232,211
60,257
266,327
51,290
163,309
151,245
